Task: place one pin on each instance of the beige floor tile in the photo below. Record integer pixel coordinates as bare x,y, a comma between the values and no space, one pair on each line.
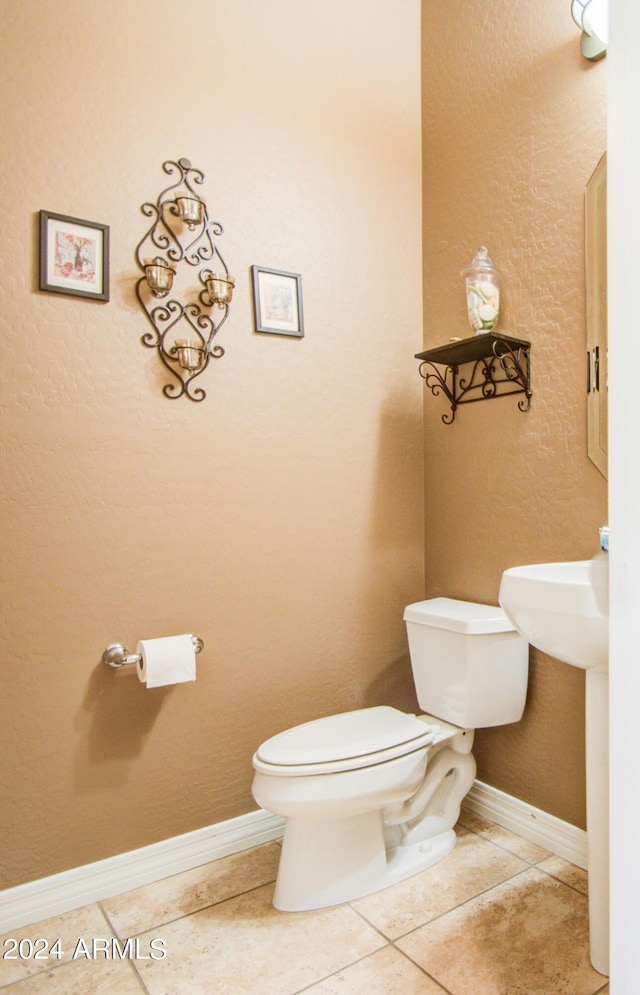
528,935
98,977
473,866
502,837
386,972
574,876
72,927
163,901
244,947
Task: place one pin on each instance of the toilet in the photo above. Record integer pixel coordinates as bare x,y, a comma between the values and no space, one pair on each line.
370,797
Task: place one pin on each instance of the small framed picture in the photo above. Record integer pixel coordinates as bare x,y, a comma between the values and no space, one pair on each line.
277,301
74,256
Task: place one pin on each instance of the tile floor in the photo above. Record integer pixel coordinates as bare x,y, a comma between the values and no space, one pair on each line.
498,916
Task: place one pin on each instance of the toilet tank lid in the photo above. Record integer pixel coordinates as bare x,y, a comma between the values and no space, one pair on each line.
344,736
458,616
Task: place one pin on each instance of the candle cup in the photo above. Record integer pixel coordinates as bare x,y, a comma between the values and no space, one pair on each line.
191,210
190,354
220,288
159,275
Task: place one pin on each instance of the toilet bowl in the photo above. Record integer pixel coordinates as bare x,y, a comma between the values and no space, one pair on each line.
370,797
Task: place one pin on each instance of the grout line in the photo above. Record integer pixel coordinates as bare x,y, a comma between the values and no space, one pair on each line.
338,971
185,915
431,977
368,921
392,943
502,846
131,960
499,846
389,944
61,963
461,905
532,864
105,916
560,881
201,908
136,972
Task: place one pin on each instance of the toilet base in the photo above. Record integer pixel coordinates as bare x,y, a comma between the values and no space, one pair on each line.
409,859
317,866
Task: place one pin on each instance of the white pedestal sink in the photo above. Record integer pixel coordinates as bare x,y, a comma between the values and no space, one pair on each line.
563,610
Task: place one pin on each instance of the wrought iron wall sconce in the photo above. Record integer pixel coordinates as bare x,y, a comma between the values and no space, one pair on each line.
182,236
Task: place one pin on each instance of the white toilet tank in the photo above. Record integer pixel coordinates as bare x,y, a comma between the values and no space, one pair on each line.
470,666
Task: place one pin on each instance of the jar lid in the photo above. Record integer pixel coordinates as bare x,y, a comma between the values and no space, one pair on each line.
481,263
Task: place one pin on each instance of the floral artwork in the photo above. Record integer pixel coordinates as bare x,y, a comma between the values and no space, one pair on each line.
74,256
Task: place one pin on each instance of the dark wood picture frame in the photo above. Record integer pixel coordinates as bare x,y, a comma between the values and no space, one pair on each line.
74,256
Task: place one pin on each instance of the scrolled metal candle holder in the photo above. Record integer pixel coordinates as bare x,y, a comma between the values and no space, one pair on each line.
177,213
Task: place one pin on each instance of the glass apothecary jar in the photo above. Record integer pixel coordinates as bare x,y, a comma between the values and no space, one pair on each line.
482,281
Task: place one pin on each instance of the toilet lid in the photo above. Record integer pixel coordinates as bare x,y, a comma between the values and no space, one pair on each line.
347,736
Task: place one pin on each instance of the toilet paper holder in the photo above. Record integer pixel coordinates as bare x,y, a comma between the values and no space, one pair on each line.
117,655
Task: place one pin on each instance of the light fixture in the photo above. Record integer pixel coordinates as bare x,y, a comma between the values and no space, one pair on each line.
592,17
177,214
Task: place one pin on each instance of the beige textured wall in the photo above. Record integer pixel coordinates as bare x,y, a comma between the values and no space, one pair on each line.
282,518
514,124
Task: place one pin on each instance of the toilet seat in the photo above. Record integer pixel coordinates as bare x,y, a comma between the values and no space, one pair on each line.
343,742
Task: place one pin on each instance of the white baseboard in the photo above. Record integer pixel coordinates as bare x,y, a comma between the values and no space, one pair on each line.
52,896
533,824
60,893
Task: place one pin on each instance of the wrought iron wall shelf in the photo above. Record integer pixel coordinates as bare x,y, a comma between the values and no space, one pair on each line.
500,366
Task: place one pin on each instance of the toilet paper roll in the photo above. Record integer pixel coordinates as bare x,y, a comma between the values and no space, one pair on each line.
171,660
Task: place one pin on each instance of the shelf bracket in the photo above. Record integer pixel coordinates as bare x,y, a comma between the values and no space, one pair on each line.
499,365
